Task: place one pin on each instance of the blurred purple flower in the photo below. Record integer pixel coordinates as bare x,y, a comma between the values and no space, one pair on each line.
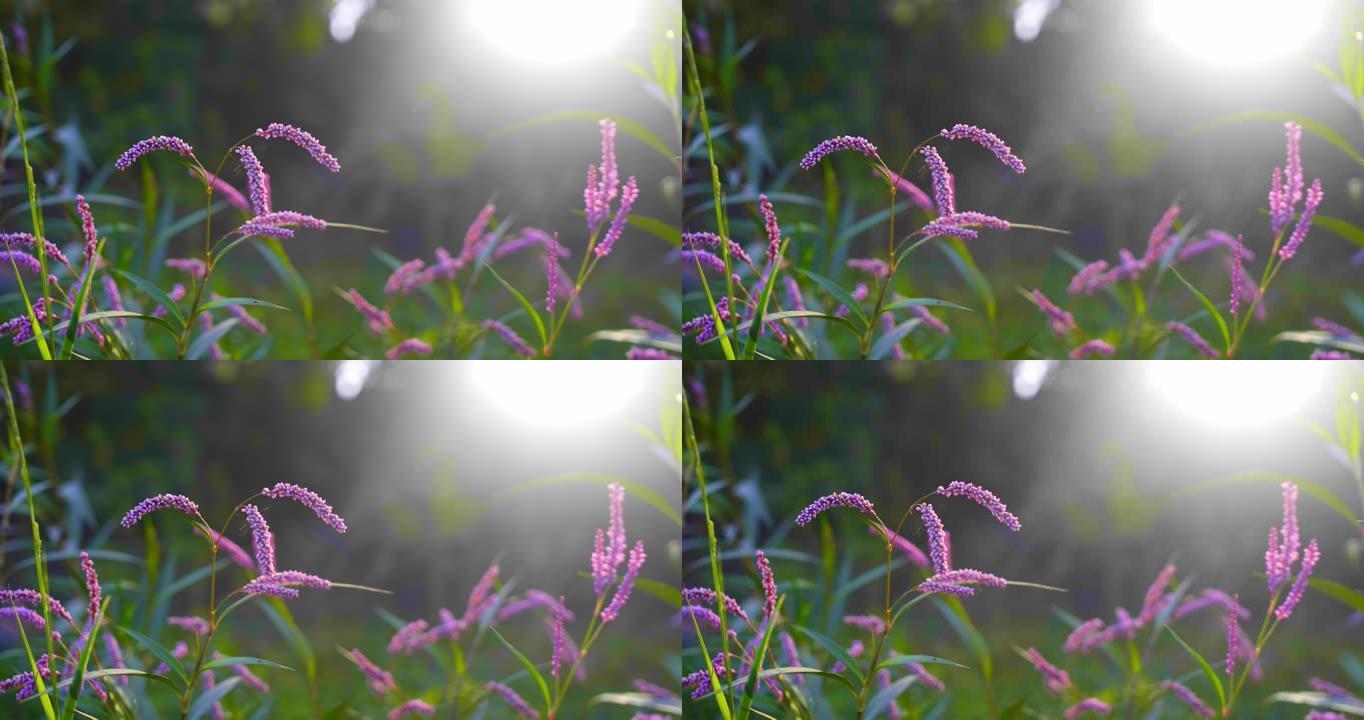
412,707
196,625
1093,347
1088,705
510,337
1195,703
1192,337
410,346
1062,323
514,701
1058,680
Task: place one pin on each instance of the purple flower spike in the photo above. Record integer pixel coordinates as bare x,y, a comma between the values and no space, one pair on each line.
1195,703
1309,208
1058,680
1160,235
160,502
1238,278
23,260
1233,640
412,707
377,320
704,240
965,576
410,346
627,583
303,139
989,141
87,228
771,227
509,337
828,502
985,499
480,597
870,623
403,278
708,597
552,273
32,598
1093,347
944,192
703,615
92,589
557,641
769,585
1062,323
196,625
257,183
628,195
1080,639
1088,705
1310,556
26,240
938,548
514,701
309,499
231,194
406,639
262,540
153,144
282,583
838,144
194,267
1192,337
380,681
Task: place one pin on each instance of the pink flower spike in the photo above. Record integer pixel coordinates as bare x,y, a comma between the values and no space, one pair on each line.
1188,697
153,144
309,499
1310,556
769,585
1088,705
257,182
262,540
938,546
838,144
841,499
410,346
1093,347
412,707
770,225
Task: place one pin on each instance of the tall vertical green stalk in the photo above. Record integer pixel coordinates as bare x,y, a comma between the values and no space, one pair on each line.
39,334
17,448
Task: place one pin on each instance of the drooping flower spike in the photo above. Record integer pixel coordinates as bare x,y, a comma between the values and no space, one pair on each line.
303,139
838,144
410,346
513,700
309,499
1092,705
509,337
987,140
1092,347
1058,680
1188,697
840,499
154,144
1191,336
985,499
412,707
161,502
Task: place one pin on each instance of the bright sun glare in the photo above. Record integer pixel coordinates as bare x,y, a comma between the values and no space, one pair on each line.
1238,32
548,31
561,393
1237,394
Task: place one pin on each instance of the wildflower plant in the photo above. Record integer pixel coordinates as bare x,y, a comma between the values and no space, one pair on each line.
539,688
103,300
751,661
820,300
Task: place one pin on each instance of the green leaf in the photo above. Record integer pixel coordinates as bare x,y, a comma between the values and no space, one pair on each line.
838,293
918,659
115,314
158,296
667,592
883,699
530,309
208,338
891,338
795,670
759,656
78,678
664,231
529,666
1337,591
205,702
925,302
1212,676
1339,227
834,649
159,651
248,302
243,660
1210,307
961,259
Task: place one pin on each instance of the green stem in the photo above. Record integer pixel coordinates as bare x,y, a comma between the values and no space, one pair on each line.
40,335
